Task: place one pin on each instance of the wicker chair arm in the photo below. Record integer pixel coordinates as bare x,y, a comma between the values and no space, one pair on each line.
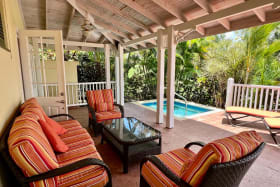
201,144
121,108
59,115
69,168
92,111
165,170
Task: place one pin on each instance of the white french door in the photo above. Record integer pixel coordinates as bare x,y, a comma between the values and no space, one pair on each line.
43,68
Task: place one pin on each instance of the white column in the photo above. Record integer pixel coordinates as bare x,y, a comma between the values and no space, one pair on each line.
107,65
117,79
229,97
170,77
160,77
121,75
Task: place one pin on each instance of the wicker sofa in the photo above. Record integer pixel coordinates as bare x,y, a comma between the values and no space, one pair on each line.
28,153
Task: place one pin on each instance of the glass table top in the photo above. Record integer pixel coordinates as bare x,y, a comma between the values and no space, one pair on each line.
130,130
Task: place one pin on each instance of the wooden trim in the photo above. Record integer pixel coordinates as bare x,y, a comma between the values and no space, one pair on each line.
83,44
46,14
134,5
72,14
175,11
225,23
260,13
204,5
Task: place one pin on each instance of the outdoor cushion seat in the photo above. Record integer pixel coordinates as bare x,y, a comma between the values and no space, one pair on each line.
273,126
251,112
222,162
101,107
175,160
30,150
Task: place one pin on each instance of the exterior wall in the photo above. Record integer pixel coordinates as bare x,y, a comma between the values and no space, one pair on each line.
11,94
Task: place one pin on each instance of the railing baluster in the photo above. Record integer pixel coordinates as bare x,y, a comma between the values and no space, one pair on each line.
277,99
271,99
73,96
256,98
235,95
251,96
266,97
246,99
261,99
242,96
238,97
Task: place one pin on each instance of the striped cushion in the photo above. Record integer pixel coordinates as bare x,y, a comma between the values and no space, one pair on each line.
220,151
30,149
101,116
101,107
174,160
251,112
70,125
94,96
87,176
108,98
34,112
31,101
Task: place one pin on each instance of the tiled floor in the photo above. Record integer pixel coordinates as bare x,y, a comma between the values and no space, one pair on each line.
264,172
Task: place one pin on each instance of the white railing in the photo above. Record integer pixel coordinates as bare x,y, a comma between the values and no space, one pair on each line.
76,92
253,96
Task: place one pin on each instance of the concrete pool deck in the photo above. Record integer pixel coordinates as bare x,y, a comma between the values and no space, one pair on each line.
264,172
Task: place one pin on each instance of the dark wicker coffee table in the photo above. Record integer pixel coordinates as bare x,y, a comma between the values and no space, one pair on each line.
131,138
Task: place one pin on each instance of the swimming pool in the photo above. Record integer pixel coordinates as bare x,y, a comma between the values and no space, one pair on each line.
180,108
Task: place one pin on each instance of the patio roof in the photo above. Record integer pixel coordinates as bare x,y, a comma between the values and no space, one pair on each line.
135,23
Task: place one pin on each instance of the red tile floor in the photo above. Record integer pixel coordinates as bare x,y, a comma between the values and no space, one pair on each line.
264,172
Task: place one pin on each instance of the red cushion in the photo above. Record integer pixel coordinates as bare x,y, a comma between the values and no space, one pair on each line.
55,126
56,142
101,107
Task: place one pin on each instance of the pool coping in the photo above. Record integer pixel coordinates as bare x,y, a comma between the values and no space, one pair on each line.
214,109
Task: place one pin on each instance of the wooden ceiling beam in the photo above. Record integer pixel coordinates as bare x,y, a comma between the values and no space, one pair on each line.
46,14
73,3
72,14
200,29
204,4
260,13
112,8
96,12
138,8
225,23
175,11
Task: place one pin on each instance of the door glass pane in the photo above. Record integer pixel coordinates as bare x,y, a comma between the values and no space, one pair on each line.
44,66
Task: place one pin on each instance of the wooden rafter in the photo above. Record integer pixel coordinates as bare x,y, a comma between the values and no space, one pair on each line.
260,13
110,19
72,13
225,23
134,5
238,9
175,11
123,14
200,29
204,4
91,19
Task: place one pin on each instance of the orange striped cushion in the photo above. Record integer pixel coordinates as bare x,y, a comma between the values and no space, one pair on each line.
174,160
251,112
101,116
220,151
94,97
108,98
31,101
101,107
30,149
34,112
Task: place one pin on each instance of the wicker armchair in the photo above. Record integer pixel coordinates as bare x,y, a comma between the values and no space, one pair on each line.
96,118
225,174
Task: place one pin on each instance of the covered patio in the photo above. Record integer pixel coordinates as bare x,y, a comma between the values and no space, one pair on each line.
115,27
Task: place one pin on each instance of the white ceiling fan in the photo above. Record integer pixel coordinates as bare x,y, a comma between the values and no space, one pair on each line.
87,29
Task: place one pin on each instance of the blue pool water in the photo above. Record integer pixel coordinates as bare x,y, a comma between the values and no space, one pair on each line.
180,109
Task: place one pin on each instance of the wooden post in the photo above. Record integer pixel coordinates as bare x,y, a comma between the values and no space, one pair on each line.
107,65
160,77
121,75
170,77
117,78
229,97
